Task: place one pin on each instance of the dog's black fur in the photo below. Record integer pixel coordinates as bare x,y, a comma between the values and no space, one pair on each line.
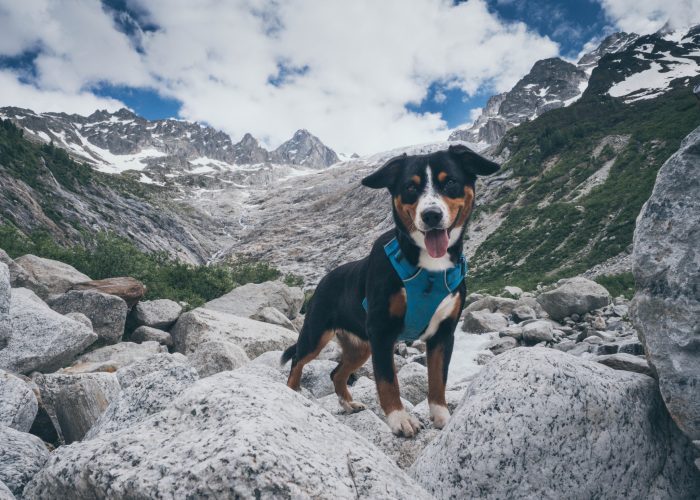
336,307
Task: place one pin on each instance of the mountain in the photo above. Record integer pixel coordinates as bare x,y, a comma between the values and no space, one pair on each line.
565,201
120,141
550,84
43,191
304,149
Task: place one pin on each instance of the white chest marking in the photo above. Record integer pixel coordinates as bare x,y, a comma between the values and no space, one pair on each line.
442,312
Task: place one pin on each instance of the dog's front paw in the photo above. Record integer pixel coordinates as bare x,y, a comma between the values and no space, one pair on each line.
351,406
403,424
439,415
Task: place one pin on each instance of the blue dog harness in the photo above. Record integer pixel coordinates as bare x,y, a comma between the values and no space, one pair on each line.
425,290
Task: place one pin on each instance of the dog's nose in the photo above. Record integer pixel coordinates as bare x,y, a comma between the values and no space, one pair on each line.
432,217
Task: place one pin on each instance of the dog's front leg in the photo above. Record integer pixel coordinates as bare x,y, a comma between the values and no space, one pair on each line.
399,420
439,354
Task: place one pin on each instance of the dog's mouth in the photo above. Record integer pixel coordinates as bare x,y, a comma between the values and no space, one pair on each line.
436,242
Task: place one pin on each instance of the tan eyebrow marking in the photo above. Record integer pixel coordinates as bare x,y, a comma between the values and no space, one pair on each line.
442,176
416,180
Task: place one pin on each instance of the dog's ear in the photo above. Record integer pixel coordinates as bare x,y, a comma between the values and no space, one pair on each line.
472,162
386,175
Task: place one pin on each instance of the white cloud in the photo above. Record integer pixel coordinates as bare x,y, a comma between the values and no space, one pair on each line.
15,93
648,16
363,61
475,113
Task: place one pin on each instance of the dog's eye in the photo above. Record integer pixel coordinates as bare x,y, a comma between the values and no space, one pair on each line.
451,188
411,188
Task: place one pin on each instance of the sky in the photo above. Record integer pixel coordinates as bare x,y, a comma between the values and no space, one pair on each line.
363,75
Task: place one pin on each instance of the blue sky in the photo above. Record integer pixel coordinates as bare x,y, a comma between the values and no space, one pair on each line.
364,76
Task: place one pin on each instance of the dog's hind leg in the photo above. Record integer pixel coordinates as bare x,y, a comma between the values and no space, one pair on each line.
306,351
355,353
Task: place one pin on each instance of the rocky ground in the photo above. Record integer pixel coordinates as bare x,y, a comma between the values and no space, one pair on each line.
106,396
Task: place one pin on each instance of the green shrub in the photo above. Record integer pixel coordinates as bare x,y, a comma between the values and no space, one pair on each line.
618,284
109,256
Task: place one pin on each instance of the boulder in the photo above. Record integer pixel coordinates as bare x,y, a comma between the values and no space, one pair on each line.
19,278
130,290
248,300
21,456
538,331
217,356
5,493
143,397
513,291
413,382
484,321
80,318
18,404
493,304
401,450
626,362
501,345
228,435
5,291
514,331
666,265
75,402
153,363
40,338
523,313
112,358
573,296
532,303
56,276
539,423
161,313
107,313
274,317
254,337
147,333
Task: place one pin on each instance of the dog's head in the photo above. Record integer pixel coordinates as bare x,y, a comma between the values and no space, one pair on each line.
433,194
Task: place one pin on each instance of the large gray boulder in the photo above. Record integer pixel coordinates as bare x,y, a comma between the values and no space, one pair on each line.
56,276
40,338
573,296
153,363
5,291
21,456
217,356
106,312
113,357
666,260
413,382
143,397
18,404
5,493
227,436
19,278
5,294
484,321
75,402
539,423
161,313
250,299
147,333
203,325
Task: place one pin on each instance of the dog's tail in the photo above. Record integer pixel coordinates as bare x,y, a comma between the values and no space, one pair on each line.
288,354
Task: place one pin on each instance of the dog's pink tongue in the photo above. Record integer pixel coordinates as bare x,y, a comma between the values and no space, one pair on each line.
436,242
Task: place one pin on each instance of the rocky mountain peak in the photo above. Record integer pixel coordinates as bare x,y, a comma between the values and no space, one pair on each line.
551,83
305,149
249,151
611,44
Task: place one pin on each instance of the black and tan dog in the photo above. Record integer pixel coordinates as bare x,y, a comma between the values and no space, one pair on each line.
410,286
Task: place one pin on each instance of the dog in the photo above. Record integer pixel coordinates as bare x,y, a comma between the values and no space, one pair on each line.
411,286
